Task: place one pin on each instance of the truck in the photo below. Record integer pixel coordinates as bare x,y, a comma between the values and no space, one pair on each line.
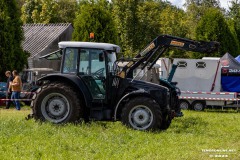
90,85
200,82
29,82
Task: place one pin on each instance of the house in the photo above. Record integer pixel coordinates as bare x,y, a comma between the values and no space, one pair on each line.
41,39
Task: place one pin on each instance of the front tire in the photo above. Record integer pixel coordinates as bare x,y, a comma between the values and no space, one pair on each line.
142,113
57,103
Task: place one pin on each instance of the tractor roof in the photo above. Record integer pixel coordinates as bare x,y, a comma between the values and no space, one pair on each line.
94,45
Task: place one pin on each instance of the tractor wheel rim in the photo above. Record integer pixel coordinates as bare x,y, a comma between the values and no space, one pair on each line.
55,107
140,117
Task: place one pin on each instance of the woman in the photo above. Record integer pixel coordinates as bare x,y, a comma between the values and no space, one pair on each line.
16,87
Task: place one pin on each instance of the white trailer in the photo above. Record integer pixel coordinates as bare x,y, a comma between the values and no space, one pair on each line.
200,83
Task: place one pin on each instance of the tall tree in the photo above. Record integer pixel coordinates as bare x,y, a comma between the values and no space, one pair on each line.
67,10
20,3
148,16
125,12
173,22
49,11
204,3
195,9
94,17
234,14
30,11
213,27
137,22
11,54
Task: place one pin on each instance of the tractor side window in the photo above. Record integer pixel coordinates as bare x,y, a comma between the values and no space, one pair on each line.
92,62
84,62
92,69
70,61
111,60
98,63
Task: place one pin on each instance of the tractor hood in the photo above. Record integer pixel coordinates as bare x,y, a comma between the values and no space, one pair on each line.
157,92
146,85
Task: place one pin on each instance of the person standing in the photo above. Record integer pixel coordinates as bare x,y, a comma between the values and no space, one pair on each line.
16,86
9,90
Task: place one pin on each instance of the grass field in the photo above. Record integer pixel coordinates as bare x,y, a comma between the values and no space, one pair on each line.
197,135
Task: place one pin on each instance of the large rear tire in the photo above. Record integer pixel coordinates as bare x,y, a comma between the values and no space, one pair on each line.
58,103
28,103
142,113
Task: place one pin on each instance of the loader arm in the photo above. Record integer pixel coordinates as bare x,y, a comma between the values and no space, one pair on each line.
159,45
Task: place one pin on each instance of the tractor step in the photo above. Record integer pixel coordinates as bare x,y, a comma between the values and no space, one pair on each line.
100,114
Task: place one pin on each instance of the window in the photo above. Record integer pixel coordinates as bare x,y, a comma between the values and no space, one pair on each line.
84,62
70,60
56,55
91,61
201,65
111,59
182,64
93,72
98,61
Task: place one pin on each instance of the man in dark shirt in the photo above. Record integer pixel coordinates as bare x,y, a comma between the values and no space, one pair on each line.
9,90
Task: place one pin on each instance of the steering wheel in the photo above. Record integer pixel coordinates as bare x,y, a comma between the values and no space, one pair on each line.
98,74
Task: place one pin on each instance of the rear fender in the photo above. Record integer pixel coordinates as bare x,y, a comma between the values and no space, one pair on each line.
132,94
73,81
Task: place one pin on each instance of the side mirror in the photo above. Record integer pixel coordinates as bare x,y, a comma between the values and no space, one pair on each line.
101,57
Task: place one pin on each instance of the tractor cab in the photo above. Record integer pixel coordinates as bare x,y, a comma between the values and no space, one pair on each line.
91,62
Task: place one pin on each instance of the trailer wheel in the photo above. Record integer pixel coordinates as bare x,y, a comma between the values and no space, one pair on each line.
198,105
183,104
57,103
142,113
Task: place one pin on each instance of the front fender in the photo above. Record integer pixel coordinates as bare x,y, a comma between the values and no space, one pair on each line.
139,92
74,81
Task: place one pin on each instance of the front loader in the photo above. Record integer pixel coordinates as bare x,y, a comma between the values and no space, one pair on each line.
91,87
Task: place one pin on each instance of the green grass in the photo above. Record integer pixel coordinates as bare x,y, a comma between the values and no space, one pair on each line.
186,138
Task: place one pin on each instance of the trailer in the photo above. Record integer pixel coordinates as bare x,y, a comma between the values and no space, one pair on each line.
200,83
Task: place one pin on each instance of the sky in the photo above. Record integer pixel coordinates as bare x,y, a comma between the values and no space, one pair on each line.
179,3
